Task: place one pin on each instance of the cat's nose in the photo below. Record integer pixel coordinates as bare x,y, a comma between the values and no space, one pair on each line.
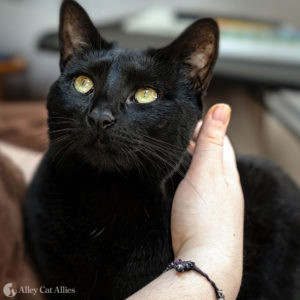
102,119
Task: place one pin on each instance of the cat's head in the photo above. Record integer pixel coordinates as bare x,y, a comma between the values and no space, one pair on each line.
121,109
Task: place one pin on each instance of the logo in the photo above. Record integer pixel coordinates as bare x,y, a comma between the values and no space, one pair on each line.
9,291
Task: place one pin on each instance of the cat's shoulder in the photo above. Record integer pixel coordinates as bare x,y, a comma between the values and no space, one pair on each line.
257,171
267,186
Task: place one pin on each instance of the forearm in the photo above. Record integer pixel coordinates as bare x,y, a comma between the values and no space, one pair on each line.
225,272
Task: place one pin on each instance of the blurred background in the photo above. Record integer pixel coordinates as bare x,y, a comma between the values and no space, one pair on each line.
257,73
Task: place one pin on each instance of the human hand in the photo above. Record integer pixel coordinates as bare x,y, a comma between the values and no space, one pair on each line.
207,219
208,207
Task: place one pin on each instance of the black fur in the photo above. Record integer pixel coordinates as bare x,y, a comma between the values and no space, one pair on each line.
97,212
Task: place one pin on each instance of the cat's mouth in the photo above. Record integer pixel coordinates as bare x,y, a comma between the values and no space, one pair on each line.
106,153
98,139
103,144
111,141
99,144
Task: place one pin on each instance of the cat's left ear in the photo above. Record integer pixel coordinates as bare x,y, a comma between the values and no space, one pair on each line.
197,49
77,34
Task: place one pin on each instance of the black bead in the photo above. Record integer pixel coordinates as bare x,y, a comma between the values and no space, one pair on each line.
179,268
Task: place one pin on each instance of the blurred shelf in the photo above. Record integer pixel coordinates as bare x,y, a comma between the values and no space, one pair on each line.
9,64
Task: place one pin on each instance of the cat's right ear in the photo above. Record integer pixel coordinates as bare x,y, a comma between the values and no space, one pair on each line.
196,49
77,34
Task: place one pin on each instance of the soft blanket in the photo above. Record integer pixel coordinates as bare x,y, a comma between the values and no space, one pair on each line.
16,273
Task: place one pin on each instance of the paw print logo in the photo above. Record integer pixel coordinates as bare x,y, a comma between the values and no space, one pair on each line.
9,291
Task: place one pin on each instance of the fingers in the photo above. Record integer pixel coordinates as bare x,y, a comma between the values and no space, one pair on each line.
209,146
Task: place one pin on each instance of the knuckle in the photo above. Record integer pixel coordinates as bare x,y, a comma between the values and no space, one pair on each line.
214,140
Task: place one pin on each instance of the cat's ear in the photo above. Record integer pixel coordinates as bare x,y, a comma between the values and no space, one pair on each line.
77,33
197,49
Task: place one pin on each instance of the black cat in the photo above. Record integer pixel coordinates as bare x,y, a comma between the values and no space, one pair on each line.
97,212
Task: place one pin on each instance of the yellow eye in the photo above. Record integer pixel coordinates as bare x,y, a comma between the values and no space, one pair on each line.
145,95
83,84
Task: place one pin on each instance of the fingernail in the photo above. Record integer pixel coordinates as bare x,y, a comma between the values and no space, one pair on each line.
221,113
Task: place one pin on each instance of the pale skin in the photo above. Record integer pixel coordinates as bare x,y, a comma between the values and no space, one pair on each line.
207,218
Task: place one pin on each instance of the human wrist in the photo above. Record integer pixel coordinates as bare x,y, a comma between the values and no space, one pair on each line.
189,285
223,269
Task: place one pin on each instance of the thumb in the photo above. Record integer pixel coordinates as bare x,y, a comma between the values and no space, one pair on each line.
209,147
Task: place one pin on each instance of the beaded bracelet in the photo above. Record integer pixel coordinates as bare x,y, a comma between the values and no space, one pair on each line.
183,266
